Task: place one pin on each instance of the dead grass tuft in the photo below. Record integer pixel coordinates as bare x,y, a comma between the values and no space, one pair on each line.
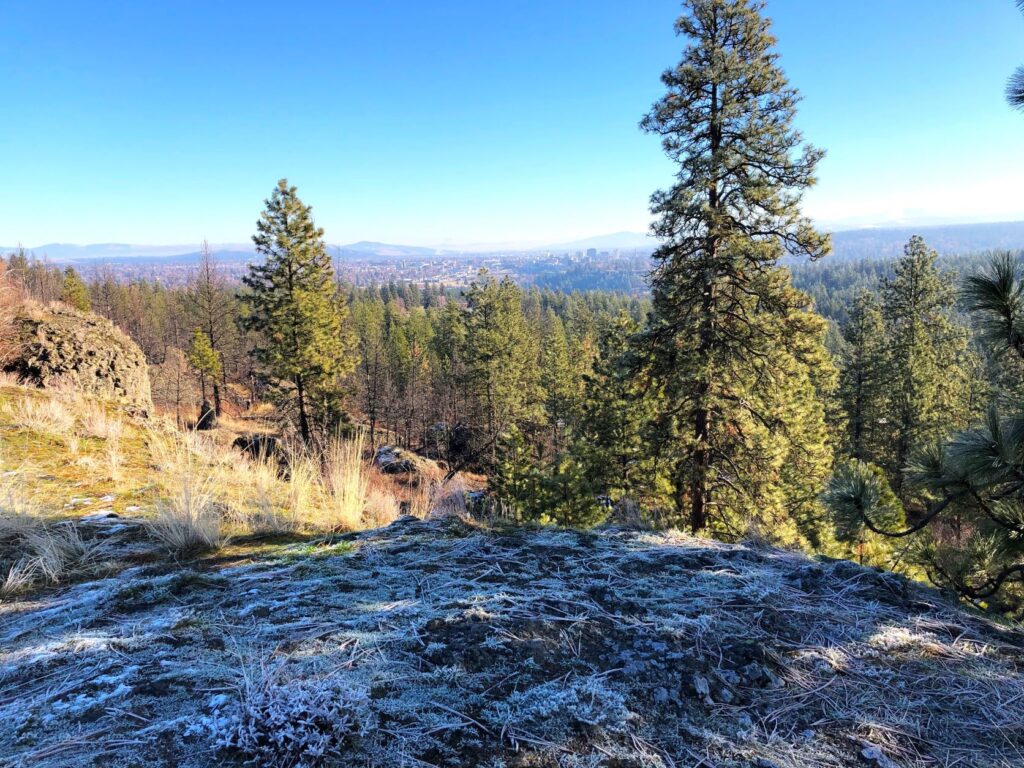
97,422
48,416
345,484
188,519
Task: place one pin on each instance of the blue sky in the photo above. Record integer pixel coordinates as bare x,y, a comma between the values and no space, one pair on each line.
463,122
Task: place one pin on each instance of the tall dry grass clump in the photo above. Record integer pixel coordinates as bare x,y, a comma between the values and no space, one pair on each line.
264,499
48,416
97,422
346,484
188,517
302,484
33,551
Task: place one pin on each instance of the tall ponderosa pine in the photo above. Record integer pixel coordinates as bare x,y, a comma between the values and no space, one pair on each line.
727,121
863,380
931,388
294,306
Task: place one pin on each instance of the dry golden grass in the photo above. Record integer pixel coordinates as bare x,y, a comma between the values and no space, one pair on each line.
382,507
196,489
33,551
97,422
188,519
346,484
49,416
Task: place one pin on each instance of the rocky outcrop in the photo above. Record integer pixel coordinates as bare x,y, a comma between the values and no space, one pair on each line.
60,346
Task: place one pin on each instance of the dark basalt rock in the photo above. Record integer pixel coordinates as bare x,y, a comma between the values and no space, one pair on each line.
62,347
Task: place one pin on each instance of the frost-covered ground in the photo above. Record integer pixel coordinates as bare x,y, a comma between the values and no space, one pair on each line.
438,643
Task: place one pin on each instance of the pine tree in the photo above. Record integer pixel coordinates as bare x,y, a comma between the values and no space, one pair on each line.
863,383
931,389
618,410
726,121
501,373
368,321
971,536
448,349
515,477
75,292
560,380
293,305
203,359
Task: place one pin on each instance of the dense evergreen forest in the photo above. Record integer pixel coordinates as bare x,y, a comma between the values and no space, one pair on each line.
853,409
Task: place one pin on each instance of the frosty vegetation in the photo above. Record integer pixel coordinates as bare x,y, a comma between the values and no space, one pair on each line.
447,643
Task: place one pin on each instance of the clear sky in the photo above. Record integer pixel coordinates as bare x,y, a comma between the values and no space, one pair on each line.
452,121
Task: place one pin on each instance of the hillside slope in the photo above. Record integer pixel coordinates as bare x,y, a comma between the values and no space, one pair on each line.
442,643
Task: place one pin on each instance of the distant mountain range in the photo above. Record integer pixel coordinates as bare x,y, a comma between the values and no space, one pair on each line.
888,242
848,244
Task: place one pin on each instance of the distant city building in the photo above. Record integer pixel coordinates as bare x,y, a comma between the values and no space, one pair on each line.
591,253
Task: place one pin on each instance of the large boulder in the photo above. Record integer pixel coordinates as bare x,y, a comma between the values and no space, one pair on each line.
62,347
392,460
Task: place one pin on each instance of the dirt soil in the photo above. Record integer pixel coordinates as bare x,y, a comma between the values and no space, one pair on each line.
440,643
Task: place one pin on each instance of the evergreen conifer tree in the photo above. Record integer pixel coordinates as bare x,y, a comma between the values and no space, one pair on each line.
203,359
618,411
501,372
75,292
293,305
971,536
560,380
863,383
931,388
1015,87
727,122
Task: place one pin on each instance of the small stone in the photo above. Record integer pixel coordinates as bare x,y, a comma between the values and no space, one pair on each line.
723,694
100,516
876,756
703,688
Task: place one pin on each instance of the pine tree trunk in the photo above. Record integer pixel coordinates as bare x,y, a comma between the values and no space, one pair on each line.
303,420
700,492
858,420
